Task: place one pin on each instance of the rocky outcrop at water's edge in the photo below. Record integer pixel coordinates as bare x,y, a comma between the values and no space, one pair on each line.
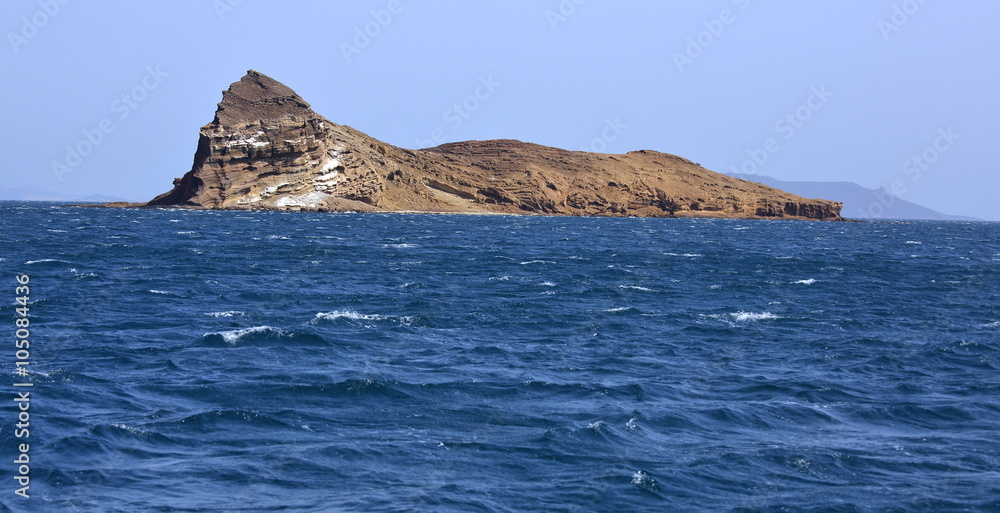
267,150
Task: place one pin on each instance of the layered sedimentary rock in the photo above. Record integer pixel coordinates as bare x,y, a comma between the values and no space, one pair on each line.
267,149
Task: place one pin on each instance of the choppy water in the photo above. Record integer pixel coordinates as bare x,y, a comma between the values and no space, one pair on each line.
226,361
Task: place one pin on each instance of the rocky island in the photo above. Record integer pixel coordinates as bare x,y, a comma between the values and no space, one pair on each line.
267,150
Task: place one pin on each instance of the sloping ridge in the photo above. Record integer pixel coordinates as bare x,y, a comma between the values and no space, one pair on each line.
266,149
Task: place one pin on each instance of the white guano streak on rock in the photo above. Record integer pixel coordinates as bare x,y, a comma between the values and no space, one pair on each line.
310,200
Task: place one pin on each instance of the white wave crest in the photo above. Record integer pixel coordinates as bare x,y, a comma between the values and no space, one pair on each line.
742,316
355,316
234,336
642,479
636,287
810,281
231,313
130,429
44,261
753,316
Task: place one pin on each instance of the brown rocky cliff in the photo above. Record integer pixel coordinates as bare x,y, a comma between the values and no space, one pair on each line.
267,149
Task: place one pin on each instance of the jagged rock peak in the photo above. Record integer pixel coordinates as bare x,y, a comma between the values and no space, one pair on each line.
257,97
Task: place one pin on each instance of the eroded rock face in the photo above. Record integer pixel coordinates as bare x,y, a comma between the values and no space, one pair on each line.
267,149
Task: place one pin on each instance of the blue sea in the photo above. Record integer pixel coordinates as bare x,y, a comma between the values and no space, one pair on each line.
207,361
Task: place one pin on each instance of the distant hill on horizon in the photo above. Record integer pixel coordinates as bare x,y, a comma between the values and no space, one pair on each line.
33,194
859,202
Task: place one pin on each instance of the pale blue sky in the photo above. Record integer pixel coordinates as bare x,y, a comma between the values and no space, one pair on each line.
889,87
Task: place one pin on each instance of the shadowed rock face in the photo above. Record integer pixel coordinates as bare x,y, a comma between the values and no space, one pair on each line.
267,149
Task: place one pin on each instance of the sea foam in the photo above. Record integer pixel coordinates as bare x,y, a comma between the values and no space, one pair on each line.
743,316
355,316
234,336
231,313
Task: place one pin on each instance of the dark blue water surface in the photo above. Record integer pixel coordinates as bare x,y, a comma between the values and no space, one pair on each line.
233,361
